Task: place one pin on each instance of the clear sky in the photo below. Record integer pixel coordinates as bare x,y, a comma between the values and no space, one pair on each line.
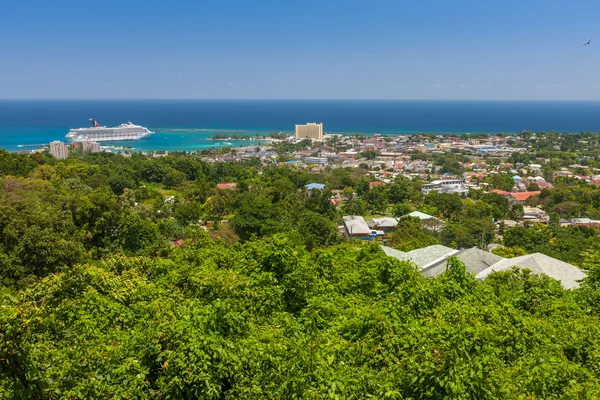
418,49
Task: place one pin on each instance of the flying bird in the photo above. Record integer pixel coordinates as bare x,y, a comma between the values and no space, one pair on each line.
588,42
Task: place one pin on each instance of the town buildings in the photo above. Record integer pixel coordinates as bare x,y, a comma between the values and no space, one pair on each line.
59,150
355,227
587,222
446,186
91,147
310,130
428,221
521,197
315,160
227,186
385,224
534,214
516,197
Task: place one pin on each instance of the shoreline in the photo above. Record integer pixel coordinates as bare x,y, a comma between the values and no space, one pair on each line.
197,139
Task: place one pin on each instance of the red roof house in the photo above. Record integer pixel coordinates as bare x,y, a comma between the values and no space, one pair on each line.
521,197
376,183
502,193
227,186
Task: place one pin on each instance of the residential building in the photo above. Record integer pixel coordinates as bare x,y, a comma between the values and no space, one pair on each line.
538,179
517,179
540,264
508,223
533,213
521,197
376,183
428,221
59,150
432,261
475,260
502,193
357,228
310,130
587,222
227,186
424,257
535,168
91,147
315,186
446,186
386,224
315,160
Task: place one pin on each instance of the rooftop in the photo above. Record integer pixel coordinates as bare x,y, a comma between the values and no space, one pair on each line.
318,186
522,196
419,215
569,275
421,257
500,192
230,185
355,224
400,255
432,261
384,221
440,181
475,260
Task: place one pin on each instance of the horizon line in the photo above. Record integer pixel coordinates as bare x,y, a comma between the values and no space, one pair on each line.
276,99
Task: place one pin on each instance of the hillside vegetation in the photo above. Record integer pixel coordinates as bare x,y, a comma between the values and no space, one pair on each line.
111,288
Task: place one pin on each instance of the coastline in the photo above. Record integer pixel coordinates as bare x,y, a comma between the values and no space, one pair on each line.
188,125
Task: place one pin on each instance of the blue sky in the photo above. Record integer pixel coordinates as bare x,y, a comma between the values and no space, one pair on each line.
300,50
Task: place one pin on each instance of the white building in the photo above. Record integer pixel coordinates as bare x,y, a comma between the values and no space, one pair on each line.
446,186
357,228
535,168
91,147
311,130
315,160
533,213
59,150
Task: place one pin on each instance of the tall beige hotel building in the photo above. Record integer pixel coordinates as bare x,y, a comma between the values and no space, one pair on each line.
311,130
59,150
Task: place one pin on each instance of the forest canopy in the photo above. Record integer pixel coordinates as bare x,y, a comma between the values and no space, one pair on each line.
139,277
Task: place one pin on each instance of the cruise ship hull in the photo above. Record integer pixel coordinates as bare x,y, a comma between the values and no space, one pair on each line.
127,131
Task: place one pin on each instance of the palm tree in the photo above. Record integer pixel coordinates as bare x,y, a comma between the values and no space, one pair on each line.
352,205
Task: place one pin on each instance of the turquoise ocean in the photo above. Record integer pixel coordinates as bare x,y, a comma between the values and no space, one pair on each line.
188,125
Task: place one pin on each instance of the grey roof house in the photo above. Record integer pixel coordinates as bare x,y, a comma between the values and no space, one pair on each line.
432,261
569,275
475,260
422,258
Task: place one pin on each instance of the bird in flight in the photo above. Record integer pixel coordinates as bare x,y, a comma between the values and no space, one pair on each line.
588,42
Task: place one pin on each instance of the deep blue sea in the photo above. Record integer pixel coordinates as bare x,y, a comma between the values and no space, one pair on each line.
188,124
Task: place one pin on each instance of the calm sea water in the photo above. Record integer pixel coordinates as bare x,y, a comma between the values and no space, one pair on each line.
188,124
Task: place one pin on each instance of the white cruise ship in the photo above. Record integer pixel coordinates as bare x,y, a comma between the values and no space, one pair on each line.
99,133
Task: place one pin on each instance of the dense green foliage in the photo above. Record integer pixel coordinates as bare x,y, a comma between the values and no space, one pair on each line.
271,320
567,243
112,288
85,208
410,235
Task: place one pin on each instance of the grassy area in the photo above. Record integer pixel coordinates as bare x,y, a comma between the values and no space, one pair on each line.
160,188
